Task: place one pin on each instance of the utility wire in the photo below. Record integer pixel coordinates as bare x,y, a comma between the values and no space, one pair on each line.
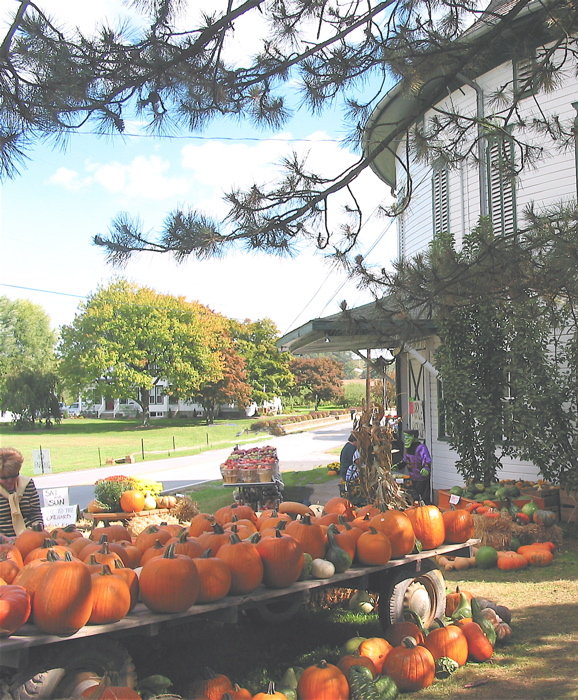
44,291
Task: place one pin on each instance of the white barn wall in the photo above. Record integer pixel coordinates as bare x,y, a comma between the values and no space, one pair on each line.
551,181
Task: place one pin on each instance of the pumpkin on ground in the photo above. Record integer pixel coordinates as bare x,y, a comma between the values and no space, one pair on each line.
412,667
271,694
448,640
479,646
323,681
508,561
212,685
349,660
377,649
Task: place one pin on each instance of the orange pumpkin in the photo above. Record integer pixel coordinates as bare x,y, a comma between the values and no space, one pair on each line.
459,525
132,501
63,602
30,539
147,537
373,548
212,685
214,578
349,660
111,597
428,525
448,640
14,608
398,528
9,567
271,694
225,514
323,681
453,600
310,536
282,558
377,649
412,667
202,522
340,506
245,564
479,646
169,583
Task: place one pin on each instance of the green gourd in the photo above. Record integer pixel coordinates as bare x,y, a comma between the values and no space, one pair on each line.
483,622
336,554
361,685
464,608
307,565
445,667
289,679
386,687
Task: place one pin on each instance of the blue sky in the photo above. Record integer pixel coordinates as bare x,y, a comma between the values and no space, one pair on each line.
62,198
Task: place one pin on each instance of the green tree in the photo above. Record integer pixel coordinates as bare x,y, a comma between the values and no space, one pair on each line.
26,339
126,337
318,378
268,371
506,315
32,396
231,388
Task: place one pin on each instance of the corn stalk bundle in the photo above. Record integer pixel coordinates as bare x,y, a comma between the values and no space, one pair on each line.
375,460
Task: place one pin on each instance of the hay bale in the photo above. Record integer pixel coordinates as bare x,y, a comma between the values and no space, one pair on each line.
498,532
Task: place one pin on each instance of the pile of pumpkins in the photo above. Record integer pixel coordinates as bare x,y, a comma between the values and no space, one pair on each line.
62,580
407,658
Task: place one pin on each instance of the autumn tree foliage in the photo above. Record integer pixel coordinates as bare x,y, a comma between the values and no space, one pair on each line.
231,388
318,378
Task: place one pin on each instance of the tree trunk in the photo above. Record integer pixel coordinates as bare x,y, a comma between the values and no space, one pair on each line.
144,396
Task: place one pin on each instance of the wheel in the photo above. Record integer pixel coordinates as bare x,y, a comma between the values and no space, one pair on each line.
424,593
66,669
276,610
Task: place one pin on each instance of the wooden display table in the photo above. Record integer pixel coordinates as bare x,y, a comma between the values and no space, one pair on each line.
106,518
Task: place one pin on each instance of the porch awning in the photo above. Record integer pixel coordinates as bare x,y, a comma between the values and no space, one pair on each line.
379,324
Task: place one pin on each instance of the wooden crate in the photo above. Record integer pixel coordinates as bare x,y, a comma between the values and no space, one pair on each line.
443,501
568,506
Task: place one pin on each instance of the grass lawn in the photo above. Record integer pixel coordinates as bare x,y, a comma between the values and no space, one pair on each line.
85,443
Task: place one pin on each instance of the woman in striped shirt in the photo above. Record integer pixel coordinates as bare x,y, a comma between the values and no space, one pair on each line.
19,501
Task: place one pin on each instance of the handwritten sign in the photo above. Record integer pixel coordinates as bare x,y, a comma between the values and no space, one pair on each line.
41,461
454,499
55,497
59,516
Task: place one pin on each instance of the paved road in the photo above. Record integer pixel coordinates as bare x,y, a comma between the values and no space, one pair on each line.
297,452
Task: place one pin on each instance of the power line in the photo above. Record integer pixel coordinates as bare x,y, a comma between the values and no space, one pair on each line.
191,137
44,291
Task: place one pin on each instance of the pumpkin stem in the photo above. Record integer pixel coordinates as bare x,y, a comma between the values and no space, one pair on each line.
409,642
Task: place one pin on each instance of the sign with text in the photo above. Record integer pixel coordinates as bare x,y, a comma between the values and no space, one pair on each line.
454,499
55,497
41,461
59,516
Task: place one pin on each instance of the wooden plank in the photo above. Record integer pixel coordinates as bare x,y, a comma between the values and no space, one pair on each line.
142,618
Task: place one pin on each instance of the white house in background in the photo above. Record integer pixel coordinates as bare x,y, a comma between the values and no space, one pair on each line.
452,200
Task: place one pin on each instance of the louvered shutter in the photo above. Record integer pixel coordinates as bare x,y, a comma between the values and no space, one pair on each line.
440,200
501,188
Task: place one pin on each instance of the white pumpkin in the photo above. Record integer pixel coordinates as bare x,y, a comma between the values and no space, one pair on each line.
150,502
321,568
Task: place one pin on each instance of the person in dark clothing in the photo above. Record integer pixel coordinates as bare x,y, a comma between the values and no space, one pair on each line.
418,461
19,501
346,456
